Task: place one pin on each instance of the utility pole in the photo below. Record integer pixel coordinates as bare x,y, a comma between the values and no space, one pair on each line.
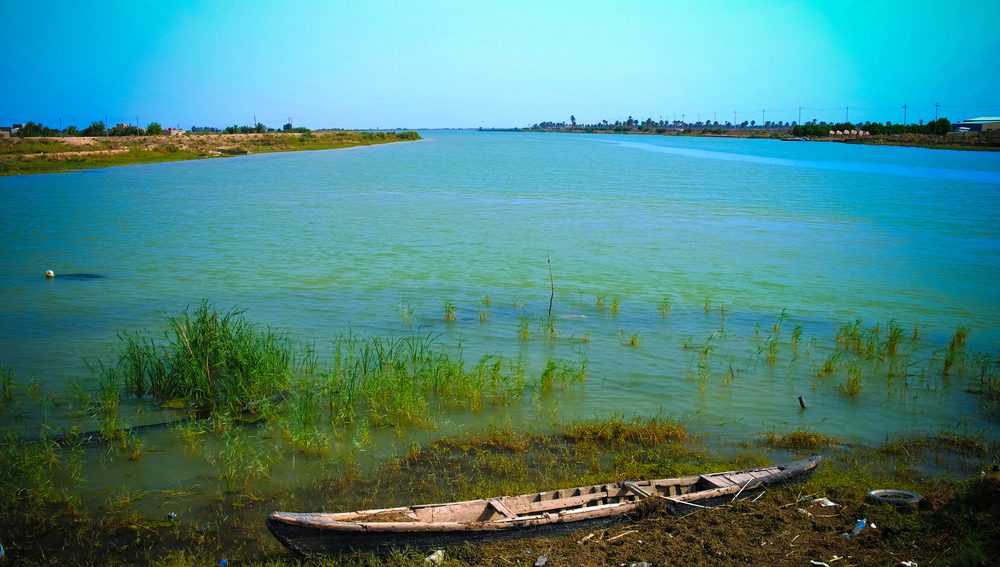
936,105
800,115
734,118
762,118
847,111
715,117
904,114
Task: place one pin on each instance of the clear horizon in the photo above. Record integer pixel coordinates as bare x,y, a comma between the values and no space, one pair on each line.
452,64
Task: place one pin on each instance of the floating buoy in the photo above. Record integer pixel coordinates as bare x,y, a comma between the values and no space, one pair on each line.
50,274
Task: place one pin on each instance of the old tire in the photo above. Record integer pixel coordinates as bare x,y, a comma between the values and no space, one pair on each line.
903,499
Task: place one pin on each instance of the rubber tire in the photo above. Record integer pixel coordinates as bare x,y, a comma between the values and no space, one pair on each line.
899,498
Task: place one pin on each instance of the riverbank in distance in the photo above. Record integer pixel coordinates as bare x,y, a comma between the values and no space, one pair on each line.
976,141
22,156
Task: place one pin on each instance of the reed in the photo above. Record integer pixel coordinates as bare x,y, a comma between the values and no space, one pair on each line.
523,330
449,310
831,364
599,302
894,337
799,440
6,384
771,349
214,362
708,306
405,313
617,431
852,387
615,306
663,307
796,338
303,419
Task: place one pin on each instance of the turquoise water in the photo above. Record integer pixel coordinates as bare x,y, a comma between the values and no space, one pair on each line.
320,243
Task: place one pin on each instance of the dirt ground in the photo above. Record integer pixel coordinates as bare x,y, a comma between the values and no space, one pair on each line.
779,528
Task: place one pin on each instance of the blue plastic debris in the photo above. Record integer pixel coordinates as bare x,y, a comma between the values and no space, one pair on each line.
858,526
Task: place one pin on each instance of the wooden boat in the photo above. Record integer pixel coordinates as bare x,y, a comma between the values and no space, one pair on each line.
527,515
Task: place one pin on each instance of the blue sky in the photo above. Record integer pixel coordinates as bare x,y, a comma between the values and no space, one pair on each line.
413,64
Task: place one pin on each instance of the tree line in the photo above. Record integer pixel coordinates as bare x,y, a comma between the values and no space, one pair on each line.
658,126
938,127
98,128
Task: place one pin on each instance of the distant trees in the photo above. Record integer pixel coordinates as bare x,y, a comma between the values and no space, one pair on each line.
34,130
125,130
95,129
255,129
154,129
938,127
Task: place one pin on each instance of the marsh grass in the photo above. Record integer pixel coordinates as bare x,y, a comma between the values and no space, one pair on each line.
617,430
663,307
405,313
6,384
449,310
523,330
852,387
799,440
394,380
214,362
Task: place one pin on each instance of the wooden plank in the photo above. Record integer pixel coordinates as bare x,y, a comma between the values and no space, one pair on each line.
570,502
500,507
634,488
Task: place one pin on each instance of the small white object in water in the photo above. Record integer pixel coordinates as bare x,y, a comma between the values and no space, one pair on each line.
50,274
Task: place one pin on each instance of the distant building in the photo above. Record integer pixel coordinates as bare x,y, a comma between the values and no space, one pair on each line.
981,124
175,132
15,128
4,131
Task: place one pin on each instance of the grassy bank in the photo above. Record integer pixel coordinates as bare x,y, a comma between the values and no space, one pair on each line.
957,524
20,156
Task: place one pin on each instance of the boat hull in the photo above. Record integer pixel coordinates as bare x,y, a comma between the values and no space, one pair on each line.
530,515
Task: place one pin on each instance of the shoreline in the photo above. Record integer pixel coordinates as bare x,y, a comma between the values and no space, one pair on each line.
972,141
30,156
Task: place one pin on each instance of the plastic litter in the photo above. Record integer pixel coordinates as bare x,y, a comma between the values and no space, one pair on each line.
908,563
223,563
858,526
821,563
541,561
172,516
640,564
435,558
825,502
1,551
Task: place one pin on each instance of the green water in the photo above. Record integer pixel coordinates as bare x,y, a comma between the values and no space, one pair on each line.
319,243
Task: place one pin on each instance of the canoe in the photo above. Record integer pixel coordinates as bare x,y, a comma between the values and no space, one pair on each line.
528,515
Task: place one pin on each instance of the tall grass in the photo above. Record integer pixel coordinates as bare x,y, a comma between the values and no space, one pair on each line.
213,362
393,381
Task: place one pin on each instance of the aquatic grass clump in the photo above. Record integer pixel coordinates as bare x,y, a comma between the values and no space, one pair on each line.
617,430
561,374
214,362
799,440
449,311
852,387
6,384
663,307
393,380
302,421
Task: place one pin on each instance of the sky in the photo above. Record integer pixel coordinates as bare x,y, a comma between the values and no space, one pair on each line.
469,63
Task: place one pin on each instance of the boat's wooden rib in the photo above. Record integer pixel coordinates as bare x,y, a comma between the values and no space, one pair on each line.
526,515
